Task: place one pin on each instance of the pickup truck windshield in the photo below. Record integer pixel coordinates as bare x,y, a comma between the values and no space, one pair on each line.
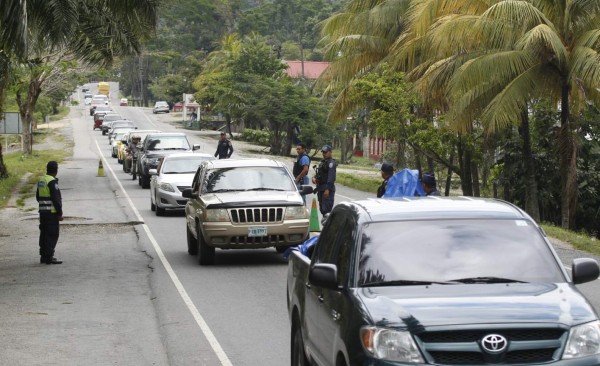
249,179
454,251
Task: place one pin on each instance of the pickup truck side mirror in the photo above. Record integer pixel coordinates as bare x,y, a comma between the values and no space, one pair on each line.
304,190
324,275
584,270
187,193
195,147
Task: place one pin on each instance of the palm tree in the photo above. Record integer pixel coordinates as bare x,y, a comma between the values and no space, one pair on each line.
496,58
95,32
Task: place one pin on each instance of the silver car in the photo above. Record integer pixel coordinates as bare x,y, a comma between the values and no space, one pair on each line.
174,174
160,107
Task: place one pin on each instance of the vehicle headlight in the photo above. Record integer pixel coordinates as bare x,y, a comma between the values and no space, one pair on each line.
295,213
166,187
218,214
391,345
584,340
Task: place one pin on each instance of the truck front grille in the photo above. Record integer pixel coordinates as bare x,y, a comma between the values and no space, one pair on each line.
256,215
462,347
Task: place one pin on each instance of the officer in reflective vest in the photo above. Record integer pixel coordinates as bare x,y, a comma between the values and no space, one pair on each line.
325,181
50,209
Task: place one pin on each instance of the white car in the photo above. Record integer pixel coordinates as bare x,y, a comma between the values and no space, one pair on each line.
174,173
160,107
87,99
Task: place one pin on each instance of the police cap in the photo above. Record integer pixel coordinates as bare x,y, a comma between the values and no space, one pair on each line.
326,148
429,179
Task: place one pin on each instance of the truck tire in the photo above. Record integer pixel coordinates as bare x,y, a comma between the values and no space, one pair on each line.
206,254
191,242
145,181
298,356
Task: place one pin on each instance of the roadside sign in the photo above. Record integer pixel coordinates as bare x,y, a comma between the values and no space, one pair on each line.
10,123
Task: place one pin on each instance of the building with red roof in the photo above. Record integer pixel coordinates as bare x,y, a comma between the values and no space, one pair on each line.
312,69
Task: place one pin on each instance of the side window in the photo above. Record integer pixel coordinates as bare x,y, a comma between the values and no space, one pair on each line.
327,240
343,249
196,181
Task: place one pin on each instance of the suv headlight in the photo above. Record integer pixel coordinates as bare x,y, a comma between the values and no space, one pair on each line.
389,344
218,214
295,213
151,161
584,340
166,187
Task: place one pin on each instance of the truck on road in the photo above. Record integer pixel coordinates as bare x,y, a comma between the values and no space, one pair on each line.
104,88
438,281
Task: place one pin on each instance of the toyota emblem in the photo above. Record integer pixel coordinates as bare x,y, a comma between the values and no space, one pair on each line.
494,343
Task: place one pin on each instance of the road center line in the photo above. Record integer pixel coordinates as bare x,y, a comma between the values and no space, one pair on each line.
212,340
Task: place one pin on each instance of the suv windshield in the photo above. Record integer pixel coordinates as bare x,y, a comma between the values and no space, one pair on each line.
249,179
168,143
454,251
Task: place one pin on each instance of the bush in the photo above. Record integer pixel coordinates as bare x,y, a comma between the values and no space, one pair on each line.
260,137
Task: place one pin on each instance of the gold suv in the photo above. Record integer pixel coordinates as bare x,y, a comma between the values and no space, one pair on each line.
249,203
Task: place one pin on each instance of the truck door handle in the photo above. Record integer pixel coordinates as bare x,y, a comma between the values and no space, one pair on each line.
321,298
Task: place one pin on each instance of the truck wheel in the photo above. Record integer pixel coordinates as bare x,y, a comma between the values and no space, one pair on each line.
298,355
206,254
191,242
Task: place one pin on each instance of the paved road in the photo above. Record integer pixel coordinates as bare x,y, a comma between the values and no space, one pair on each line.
233,313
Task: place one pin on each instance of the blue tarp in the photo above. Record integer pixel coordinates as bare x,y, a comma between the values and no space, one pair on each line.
304,248
404,183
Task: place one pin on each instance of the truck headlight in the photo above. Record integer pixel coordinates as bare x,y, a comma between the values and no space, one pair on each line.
389,344
166,187
218,214
584,340
295,213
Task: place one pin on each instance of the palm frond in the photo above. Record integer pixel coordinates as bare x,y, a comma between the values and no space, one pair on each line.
544,41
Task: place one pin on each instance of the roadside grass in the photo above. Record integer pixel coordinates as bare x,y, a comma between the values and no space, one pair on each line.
579,240
62,113
364,184
18,166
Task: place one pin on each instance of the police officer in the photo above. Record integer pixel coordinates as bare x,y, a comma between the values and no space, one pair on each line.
387,170
429,184
325,181
50,209
301,167
224,147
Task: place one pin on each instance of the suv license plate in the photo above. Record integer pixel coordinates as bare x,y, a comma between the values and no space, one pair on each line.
257,231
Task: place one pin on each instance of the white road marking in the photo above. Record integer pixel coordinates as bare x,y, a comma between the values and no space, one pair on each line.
212,340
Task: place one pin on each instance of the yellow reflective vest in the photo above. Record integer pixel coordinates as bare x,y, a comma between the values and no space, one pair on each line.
45,202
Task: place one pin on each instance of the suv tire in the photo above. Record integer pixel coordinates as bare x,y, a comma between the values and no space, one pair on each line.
191,242
206,254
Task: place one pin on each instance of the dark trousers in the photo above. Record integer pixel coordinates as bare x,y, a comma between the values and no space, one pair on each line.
325,204
49,230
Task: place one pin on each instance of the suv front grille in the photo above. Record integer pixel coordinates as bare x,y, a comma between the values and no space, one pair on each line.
256,215
462,347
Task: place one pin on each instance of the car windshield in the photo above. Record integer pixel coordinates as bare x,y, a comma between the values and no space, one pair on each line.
454,251
122,124
113,117
183,165
162,104
250,178
168,143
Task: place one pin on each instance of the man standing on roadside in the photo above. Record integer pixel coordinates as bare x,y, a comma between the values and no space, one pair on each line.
325,181
387,170
301,167
224,147
50,210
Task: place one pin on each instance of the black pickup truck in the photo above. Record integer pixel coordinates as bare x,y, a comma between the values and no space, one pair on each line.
438,281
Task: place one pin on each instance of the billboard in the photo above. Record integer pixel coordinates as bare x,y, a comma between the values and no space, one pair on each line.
10,123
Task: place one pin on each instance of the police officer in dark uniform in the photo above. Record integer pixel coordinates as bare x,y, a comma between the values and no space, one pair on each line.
50,209
387,170
429,184
224,147
325,181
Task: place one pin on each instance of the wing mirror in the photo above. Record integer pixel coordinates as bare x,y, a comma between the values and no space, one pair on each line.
304,190
324,275
187,193
196,147
584,270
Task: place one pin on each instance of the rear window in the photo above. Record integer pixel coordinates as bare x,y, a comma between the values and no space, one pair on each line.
167,143
249,179
450,250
